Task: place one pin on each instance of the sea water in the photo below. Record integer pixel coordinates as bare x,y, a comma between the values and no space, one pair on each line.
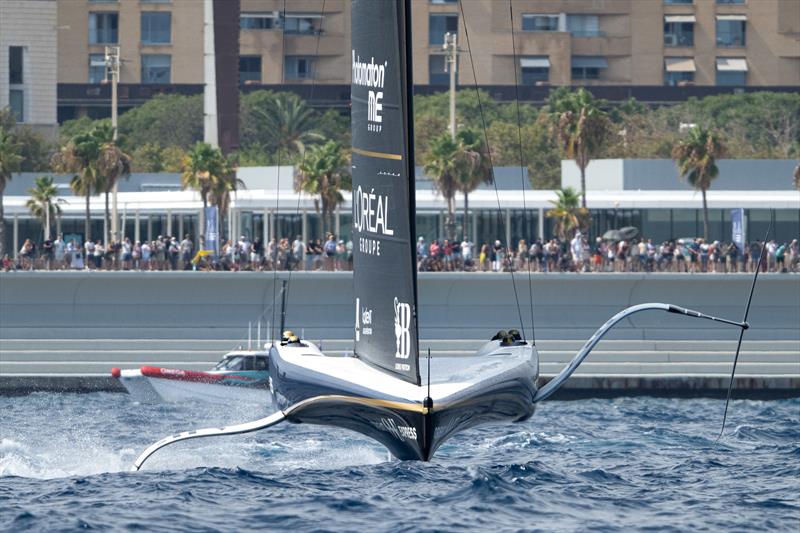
591,465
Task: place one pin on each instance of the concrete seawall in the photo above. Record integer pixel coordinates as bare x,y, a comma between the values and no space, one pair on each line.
188,305
65,330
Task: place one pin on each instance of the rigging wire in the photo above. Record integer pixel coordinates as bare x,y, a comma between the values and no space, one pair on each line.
521,160
741,332
277,187
489,153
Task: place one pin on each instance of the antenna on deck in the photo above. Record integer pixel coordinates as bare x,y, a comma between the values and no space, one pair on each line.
741,331
283,306
258,335
249,335
428,401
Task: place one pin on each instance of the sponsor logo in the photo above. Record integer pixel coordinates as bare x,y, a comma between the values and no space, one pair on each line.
371,75
371,214
363,320
400,432
402,335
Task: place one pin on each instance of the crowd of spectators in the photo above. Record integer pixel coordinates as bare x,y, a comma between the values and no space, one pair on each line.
330,254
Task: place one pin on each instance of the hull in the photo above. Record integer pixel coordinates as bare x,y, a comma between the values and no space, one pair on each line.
153,384
496,385
187,391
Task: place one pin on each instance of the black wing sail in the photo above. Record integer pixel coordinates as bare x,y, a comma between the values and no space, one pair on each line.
383,187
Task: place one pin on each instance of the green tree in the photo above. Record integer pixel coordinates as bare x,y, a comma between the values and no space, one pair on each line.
323,173
10,160
441,163
278,122
112,165
473,167
79,157
696,156
581,127
43,203
539,151
568,213
34,149
165,120
203,167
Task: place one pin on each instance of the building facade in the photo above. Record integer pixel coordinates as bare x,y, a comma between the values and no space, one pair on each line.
599,43
28,61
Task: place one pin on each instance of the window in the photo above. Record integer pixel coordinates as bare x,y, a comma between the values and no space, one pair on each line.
15,65
584,25
731,78
16,100
97,68
438,25
103,28
298,68
444,1
437,70
731,71
730,2
539,22
676,79
679,71
257,21
156,27
684,2
250,69
156,68
588,67
731,31
679,30
534,69
301,24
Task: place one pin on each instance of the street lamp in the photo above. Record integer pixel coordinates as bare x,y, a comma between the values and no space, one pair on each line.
451,64
112,68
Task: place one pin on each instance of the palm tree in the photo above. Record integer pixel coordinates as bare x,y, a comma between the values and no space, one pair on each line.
288,124
581,127
443,165
112,164
10,160
223,183
43,203
474,167
324,172
568,214
80,156
201,166
696,156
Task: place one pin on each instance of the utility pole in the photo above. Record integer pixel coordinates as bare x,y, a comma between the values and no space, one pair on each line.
451,62
112,68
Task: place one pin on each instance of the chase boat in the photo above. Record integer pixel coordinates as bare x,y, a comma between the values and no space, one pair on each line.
241,376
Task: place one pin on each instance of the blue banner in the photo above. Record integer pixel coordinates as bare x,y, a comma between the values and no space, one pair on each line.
737,228
212,230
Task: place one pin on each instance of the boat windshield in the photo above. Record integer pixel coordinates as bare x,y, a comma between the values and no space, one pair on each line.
230,363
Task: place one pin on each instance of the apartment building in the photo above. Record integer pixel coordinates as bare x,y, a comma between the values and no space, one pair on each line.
621,43
28,58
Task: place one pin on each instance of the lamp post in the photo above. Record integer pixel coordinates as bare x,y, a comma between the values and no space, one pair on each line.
112,68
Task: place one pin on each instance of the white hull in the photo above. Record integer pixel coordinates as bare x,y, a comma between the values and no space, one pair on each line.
145,389
175,391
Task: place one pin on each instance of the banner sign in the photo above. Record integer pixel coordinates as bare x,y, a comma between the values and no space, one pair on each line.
737,228
212,229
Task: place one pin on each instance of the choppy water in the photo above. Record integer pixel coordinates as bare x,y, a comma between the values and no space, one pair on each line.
605,465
